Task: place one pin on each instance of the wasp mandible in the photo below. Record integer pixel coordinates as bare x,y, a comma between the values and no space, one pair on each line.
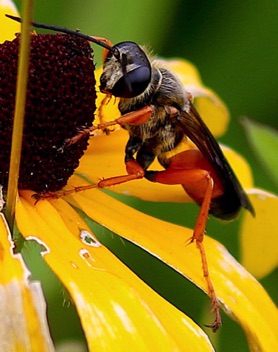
158,114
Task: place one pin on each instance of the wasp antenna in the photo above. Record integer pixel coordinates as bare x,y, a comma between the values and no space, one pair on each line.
67,31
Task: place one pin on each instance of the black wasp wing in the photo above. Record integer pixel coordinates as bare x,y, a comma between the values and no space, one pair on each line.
234,196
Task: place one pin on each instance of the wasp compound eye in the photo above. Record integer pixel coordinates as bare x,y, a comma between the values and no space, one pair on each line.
60,102
134,71
132,83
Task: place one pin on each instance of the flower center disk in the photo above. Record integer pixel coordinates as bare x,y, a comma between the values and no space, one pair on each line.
60,102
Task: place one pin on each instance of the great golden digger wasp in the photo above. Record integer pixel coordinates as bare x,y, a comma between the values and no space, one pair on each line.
158,114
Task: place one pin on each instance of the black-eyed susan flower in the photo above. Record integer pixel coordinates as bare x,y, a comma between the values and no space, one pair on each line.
117,310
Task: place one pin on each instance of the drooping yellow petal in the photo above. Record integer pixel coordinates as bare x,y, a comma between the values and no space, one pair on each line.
241,295
8,27
23,323
105,158
259,235
117,310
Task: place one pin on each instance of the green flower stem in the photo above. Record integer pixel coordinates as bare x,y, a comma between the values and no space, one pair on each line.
21,89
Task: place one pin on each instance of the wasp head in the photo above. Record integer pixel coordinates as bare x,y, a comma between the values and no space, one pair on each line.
126,71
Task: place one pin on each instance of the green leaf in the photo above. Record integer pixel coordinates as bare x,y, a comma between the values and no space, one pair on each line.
264,141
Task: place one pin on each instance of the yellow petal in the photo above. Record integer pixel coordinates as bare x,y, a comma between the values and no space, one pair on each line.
188,73
259,235
105,158
8,27
240,167
117,310
23,324
241,295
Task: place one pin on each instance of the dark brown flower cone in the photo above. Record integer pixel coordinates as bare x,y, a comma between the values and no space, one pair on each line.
60,102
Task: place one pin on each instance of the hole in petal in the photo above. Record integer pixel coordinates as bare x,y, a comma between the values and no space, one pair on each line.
87,238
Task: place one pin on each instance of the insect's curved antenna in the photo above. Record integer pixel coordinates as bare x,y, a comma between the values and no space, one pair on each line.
65,30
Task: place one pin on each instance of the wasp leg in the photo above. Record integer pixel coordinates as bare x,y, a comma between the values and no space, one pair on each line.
105,41
137,117
134,170
198,238
194,181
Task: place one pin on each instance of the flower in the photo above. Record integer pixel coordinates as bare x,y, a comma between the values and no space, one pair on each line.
115,307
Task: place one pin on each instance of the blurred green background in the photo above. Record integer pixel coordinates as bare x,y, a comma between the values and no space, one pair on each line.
234,46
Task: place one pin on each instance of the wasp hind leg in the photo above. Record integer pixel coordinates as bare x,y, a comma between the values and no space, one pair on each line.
198,238
194,179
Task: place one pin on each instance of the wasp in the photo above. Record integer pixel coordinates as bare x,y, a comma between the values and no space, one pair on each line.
158,115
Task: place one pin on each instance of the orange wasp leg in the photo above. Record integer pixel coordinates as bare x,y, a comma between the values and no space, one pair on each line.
198,236
137,117
105,41
135,172
191,179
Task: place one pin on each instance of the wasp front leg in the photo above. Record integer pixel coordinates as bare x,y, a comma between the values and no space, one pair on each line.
137,117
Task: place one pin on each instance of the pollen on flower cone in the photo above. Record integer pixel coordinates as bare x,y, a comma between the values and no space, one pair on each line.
60,102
